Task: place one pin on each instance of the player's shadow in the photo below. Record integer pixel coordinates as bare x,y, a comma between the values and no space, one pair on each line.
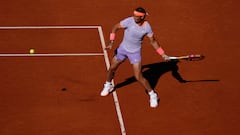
153,72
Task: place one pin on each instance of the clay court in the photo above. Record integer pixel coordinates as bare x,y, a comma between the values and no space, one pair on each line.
56,91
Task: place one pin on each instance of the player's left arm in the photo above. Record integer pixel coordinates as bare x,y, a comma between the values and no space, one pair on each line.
157,47
154,42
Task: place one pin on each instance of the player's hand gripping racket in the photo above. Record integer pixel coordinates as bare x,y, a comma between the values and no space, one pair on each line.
192,57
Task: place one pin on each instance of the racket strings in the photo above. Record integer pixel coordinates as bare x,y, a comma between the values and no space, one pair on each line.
196,57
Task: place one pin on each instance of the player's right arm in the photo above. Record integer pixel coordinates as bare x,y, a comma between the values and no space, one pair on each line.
115,28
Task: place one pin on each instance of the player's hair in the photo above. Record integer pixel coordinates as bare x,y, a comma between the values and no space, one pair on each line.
140,9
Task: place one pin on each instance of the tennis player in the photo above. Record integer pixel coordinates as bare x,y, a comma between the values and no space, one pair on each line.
135,29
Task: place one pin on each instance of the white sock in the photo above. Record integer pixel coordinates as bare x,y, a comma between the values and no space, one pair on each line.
151,92
110,83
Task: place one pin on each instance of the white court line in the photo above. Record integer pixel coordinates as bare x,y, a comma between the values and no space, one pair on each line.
47,27
115,97
51,55
105,54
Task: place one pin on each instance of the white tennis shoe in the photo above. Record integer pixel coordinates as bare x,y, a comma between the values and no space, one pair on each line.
108,88
153,99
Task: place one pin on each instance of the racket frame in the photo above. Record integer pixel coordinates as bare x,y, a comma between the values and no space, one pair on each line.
192,57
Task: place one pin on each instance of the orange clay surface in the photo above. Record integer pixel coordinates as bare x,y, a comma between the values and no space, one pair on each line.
61,95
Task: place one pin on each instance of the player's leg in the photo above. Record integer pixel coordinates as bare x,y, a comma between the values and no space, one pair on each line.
138,75
108,86
135,60
111,71
115,63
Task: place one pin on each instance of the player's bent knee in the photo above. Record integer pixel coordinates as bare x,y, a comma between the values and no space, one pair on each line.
139,78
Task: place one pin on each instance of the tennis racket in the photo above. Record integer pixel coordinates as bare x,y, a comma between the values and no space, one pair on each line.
192,57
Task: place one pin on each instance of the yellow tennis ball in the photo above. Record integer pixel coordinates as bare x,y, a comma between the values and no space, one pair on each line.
31,51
